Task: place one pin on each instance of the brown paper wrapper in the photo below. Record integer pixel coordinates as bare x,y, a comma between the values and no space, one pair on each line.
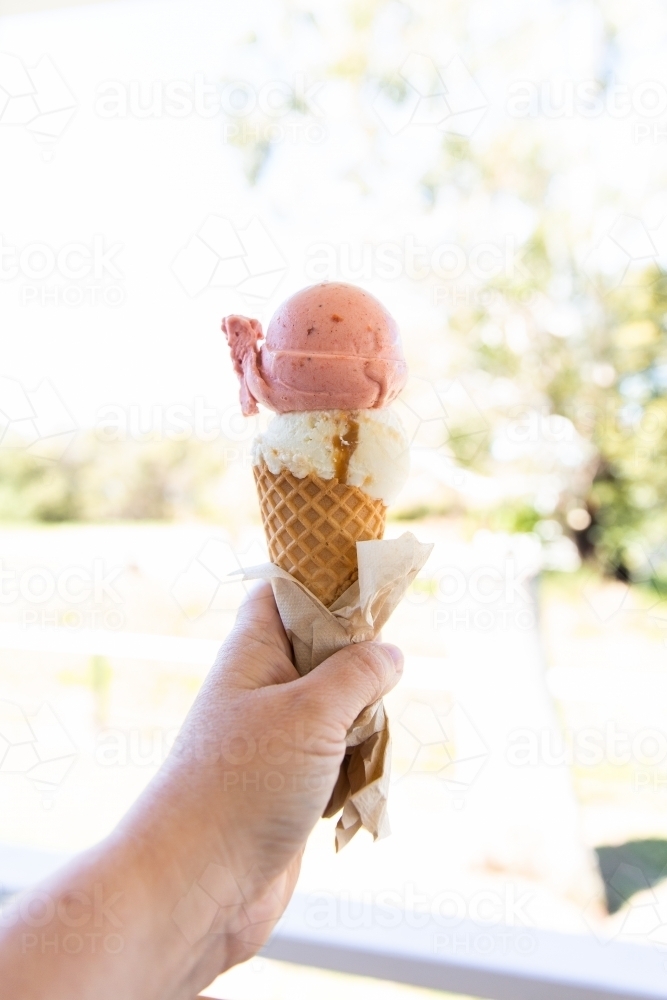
387,567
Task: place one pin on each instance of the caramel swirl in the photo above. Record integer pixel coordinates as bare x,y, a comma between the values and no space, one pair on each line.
344,446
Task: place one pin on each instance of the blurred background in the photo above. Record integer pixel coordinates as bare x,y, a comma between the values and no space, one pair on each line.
495,174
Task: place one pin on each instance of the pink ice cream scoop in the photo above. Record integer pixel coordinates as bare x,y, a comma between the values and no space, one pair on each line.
329,347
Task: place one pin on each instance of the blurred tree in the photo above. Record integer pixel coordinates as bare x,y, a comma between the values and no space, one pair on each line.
575,344
565,355
35,489
593,350
111,481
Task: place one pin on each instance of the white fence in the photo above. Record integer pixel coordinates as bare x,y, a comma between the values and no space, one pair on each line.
501,963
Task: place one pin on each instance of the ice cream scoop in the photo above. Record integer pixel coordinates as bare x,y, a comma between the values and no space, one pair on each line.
331,346
368,449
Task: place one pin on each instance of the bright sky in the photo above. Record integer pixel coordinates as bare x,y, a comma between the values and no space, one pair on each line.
144,186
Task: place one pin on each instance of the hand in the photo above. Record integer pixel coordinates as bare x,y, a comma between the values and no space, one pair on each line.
208,858
256,761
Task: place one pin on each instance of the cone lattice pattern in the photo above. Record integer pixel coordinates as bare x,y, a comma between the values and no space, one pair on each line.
312,526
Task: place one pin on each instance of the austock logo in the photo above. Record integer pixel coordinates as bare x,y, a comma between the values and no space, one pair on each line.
73,274
409,907
36,746
638,911
389,261
221,255
70,923
207,583
423,94
438,741
625,252
569,98
439,413
219,902
35,97
36,420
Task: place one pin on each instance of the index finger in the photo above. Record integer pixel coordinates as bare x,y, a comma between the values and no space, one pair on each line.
258,652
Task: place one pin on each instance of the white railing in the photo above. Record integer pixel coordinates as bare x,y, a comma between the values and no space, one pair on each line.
106,642
501,963
497,962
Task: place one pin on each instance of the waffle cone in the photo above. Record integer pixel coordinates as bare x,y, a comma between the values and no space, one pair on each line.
312,527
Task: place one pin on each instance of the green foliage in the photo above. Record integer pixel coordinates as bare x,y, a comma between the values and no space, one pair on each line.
607,375
35,489
110,481
513,518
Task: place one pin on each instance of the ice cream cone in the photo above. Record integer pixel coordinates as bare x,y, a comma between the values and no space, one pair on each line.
326,466
312,526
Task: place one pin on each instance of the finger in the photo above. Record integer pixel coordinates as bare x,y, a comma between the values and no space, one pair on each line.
257,652
259,612
351,679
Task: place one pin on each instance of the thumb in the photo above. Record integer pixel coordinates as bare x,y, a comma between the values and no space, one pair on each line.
350,680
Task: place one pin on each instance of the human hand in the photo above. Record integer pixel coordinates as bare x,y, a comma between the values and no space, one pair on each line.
195,877
251,773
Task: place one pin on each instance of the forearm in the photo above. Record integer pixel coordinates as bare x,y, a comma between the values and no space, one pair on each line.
108,926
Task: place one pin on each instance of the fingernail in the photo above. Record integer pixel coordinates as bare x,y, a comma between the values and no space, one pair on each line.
396,655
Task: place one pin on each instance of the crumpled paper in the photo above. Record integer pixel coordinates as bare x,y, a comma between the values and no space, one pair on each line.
387,567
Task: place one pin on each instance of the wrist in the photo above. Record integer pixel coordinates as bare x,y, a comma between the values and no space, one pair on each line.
216,905
188,896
